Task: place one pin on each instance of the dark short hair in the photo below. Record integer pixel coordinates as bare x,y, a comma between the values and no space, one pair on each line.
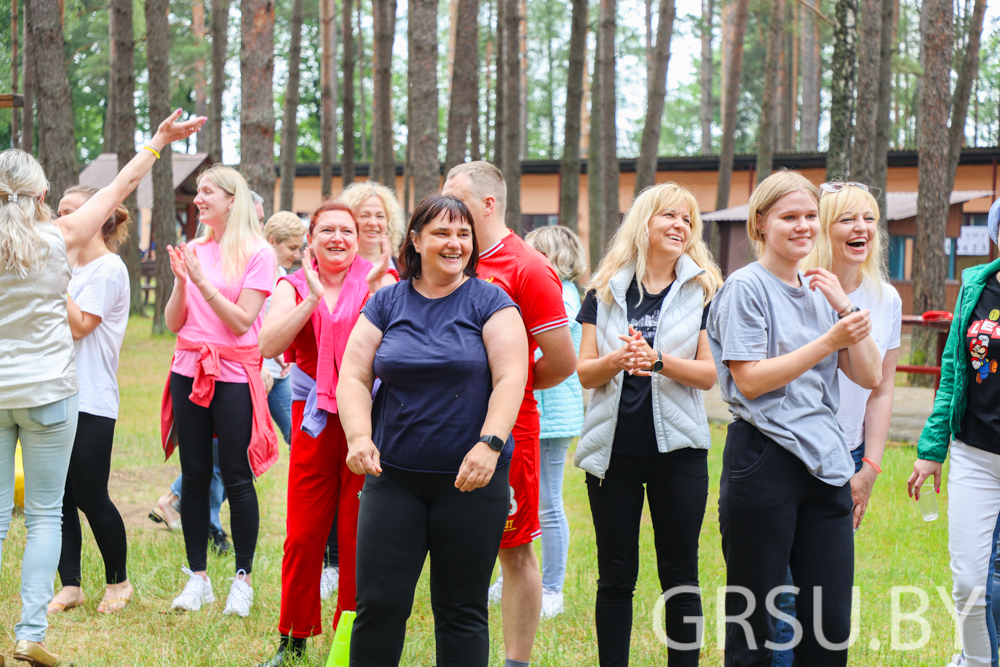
331,205
429,208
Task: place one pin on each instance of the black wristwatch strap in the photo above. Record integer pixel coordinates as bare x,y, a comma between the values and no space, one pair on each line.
495,443
853,309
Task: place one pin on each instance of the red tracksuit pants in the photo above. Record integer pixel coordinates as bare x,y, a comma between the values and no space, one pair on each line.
320,487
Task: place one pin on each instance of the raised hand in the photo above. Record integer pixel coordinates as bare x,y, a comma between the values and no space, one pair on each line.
316,289
380,267
170,130
178,263
194,270
827,283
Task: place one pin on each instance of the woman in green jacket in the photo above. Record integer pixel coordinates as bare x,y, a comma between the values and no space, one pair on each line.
966,411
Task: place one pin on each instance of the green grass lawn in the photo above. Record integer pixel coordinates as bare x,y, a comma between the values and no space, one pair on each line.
895,548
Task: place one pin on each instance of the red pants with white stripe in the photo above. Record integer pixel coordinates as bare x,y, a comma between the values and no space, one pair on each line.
320,487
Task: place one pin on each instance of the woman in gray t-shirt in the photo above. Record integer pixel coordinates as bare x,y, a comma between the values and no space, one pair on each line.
778,337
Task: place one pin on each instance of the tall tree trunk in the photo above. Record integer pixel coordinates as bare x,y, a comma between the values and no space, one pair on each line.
656,92
933,191
122,138
363,109
522,50
607,23
257,99
289,122
108,143
569,196
706,68
595,175
511,83
14,140
328,85
967,73
734,70
422,100
56,136
884,122
200,92
838,157
347,95
220,53
769,102
164,214
383,155
28,65
464,94
809,137
551,87
863,157
498,116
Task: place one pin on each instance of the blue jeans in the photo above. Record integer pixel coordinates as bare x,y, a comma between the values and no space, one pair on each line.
279,402
46,434
786,601
551,516
216,493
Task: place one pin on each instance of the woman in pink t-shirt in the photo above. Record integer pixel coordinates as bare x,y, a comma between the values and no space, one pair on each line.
216,309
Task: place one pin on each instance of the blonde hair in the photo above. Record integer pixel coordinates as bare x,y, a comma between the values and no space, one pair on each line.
832,207
766,195
115,229
22,187
630,244
242,227
485,180
356,194
562,247
282,226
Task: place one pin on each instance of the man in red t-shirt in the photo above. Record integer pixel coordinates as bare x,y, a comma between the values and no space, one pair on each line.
526,275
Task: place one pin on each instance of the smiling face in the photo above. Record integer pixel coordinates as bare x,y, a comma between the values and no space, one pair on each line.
372,220
444,246
334,241
791,226
288,250
851,237
670,232
213,203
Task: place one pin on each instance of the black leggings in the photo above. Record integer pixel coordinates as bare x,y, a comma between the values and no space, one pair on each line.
332,556
403,516
230,419
87,490
677,487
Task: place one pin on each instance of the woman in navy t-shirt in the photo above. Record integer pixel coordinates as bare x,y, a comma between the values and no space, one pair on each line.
451,354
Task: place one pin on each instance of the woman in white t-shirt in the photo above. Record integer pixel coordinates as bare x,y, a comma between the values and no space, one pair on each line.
98,316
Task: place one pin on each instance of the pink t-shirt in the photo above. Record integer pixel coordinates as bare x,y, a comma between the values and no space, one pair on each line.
203,324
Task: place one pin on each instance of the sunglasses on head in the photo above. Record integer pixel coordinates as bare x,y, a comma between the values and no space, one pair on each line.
838,186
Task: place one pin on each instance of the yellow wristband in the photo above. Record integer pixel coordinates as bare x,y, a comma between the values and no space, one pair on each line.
152,150
213,295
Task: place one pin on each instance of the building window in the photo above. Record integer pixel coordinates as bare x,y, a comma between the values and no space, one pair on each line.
976,219
897,257
534,221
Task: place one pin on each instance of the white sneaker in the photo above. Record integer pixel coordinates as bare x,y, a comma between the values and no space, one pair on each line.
496,592
552,604
240,596
197,591
958,661
328,582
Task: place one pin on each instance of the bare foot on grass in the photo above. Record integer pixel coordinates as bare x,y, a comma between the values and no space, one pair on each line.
66,599
116,598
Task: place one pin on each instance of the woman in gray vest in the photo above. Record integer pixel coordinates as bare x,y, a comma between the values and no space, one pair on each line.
646,356
38,383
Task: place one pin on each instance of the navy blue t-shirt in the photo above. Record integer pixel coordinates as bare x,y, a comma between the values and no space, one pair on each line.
436,379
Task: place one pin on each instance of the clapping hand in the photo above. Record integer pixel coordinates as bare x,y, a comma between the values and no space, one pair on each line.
641,355
316,289
193,265
178,263
380,267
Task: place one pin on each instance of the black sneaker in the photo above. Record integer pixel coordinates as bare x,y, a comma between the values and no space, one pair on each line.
219,544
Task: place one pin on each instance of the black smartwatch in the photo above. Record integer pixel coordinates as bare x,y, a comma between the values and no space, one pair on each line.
853,309
658,364
495,443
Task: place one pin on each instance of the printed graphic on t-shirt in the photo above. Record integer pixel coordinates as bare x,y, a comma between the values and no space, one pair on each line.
979,335
646,325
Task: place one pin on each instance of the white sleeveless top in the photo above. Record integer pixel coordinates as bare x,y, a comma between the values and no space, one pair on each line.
36,345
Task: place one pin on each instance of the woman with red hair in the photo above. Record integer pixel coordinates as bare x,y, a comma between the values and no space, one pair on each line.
312,314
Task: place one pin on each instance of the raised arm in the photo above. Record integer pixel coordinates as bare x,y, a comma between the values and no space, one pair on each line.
286,318
80,226
354,397
238,316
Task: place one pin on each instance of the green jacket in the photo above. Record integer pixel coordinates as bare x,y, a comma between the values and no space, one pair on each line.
949,404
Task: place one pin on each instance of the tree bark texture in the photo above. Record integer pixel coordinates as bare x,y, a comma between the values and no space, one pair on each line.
328,95
383,155
257,99
423,102
869,79
347,95
15,141
289,122
607,23
164,214
656,92
522,50
769,102
706,70
56,136
595,175
734,70
200,91
28,112
362,107
122,124
838,157
464,94
498,115
967,73
510,146
884,122
933,191
220,53
109,100
569,195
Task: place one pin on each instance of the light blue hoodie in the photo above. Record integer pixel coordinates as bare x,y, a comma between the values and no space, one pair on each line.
560,409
